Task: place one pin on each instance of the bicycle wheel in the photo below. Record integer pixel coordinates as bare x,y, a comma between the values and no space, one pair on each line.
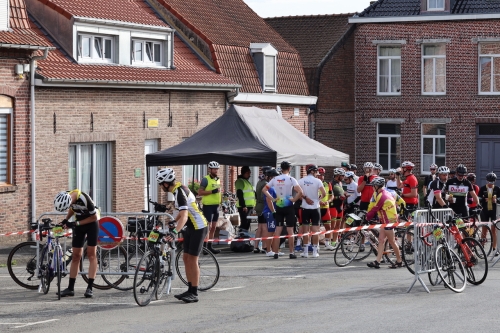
21,264
208,265
484,236
389,255
115,261
348,248
164,276
450,268
146,278
58,267
365,250
477,265
129,266
46,271
408,250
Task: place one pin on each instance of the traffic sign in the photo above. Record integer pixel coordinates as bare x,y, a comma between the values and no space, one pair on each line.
111,232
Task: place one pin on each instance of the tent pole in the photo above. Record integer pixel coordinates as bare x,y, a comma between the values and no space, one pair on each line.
192,181
147,186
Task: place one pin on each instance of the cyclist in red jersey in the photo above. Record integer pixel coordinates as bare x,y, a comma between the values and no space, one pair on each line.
472,178
409,186
365,187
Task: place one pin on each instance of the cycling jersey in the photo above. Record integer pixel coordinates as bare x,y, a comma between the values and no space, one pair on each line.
311,186
185,200
459,190
84,206
487,195
367,191
391,185
266,208
283,185
473,204
410,183
328,189
428,179
260,198
352,190
397,198
384,206
338,195
436,187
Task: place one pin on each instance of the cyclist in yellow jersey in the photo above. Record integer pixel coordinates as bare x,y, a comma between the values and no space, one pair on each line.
211,199
194,234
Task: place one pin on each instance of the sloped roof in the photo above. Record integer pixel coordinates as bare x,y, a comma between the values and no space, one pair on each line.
133,11
384,8
313,36
21,33
228,27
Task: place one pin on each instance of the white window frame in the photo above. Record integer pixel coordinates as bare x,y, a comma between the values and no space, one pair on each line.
5,12
390,58
10,123
79,171
93,58
434,57
435,8
143,62
150,146
492,70
424,171
273,87
389,136
187,175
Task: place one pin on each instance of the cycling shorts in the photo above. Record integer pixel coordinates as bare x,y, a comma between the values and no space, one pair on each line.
211,212
90,230
325,215
486,215
285,214
261,218
364,206
311,216
336,214
271,222
460,210
193,240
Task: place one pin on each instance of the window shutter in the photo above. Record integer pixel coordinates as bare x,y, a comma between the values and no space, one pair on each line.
4,14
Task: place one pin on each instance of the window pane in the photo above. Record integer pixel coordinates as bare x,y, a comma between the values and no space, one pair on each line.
433,129
438,49
440,75
485,67
440,148
383,159
72,168
440,160
432,4
395,75
270,72
383,145
428,146
389,128
86,47
97,48
157,52
86,169
390,51
496,74
489,48
4,141
107,49
101,195
384,75
394,145
427,160
149,52
428,75
492,129
138,51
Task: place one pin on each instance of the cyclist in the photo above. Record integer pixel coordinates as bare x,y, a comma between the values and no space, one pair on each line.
488,195
346,166
436,189
246,196
472,178
284,213
458,188
324,209
81,205
311,187
384,206
337,204
365,186
377,169
429,178
267,212
409,186
259,208
392,184
194,234
352,195
211,200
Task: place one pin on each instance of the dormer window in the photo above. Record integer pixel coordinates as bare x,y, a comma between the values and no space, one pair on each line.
265,58
435,5
147,53
93,48
4,15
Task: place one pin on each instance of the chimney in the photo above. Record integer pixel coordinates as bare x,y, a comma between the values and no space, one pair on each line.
4,15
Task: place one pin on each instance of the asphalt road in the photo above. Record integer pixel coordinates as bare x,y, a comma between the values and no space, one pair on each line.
260,294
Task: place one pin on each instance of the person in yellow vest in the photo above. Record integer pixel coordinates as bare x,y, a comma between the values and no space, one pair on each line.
211,200
246,196
324,208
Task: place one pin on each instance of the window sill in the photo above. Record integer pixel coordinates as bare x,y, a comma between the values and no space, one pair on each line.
8,188
488,94
433,94
388,95
95,62
148,65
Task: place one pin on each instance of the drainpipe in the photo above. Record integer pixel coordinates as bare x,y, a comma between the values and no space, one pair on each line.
32,105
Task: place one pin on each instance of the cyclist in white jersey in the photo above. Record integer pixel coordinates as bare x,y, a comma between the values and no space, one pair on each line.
283,186
352,191
392,183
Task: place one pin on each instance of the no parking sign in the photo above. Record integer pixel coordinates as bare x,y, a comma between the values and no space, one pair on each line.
110,232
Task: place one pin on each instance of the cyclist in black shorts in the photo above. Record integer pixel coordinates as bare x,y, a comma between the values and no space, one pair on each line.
489,195
81,205
435,195
457,189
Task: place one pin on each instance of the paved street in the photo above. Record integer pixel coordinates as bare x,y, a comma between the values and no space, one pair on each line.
261,294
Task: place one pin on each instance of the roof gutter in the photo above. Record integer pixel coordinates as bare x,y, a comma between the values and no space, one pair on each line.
424,18
26,47
121,24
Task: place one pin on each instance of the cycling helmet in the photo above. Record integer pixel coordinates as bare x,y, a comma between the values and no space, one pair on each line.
349,174
62,201
433,166
285,165
321,171
368,165
278,169
378,166
338,172
443,169
462,169
345,165
213,165
407,165
272,173
392,170
165,175
265,169
491,177
311,167
353,167
471,176
378,181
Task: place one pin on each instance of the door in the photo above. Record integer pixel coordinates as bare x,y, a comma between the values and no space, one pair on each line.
487,152
150,146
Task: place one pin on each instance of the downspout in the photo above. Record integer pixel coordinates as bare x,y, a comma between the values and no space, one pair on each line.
32,105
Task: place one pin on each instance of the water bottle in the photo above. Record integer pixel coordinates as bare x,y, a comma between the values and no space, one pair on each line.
67,256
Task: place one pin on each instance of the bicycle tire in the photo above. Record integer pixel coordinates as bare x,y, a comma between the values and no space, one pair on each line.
164,276
348,249
145,278
45,271
362,254
130,266
389,255
21,264
450,268
114,261
477,268
486,241
209,269
57,266
408,250
100,282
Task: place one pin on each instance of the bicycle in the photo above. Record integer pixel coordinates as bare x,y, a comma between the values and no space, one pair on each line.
480,233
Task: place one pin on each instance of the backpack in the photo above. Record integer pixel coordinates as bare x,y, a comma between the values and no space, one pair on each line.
242,246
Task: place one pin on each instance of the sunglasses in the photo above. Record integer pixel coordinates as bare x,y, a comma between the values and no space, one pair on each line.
432,169
491,183
460,174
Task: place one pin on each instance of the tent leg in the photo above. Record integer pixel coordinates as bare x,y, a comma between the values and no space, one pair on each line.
147,185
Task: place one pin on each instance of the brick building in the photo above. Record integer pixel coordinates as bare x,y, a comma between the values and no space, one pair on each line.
426,84
326,47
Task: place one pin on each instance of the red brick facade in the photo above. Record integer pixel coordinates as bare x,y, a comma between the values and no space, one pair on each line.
462,103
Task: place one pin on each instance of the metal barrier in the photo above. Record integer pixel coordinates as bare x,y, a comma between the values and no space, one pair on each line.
117,256
423,254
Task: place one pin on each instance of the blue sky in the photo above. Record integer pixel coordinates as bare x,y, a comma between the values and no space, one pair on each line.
270,8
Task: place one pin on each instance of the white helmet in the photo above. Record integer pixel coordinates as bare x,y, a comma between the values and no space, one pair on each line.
433,166
338,172
213,165
443,169
378,167
165,175
62,201
407,165
349,174
392,170
368,165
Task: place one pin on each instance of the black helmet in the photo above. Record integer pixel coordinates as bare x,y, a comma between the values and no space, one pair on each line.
272,173
265,169
461,169
353,167
285,165
311,167
471,176
491,177
345,165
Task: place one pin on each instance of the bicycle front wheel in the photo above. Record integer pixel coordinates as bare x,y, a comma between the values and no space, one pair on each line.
484,236
474,260
164,276
58,267
450,268
208,265
21,264
146,278
348,248
46,271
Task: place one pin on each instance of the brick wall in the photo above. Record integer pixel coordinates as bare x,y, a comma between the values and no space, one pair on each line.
462,103
15,209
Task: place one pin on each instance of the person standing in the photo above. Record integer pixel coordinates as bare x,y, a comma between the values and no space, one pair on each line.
284,184
267,213
392,184
489,195
429,178
435,197
337,204
408,187
245,197
86,226
365,186
472,178
352,192
325,209
457,189
211,199
259,208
